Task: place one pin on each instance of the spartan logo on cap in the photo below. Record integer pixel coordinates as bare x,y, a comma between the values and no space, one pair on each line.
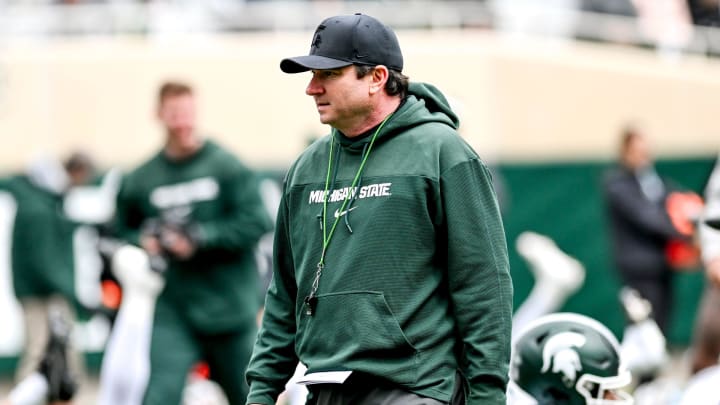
318,38
560,353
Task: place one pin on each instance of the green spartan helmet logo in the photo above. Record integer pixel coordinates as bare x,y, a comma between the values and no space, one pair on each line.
560,354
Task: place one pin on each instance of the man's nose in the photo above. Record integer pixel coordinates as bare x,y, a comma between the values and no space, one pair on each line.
313,88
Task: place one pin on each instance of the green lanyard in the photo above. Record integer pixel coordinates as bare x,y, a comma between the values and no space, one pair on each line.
311,299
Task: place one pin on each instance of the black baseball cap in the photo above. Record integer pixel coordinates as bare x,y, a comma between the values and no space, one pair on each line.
346,40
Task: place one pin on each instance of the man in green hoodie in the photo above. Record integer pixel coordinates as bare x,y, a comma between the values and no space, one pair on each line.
42,260
196,209
391,280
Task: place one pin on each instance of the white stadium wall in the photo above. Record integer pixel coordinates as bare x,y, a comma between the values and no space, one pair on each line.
521,99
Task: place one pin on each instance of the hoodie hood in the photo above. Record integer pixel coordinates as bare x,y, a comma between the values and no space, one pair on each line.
424,104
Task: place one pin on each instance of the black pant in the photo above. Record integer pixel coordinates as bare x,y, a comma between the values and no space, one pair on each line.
366,390
658,290
339,394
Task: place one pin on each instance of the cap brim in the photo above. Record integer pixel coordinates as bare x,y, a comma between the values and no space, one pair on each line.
309,62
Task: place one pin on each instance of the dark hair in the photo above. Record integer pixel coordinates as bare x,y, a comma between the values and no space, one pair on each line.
78,161
173,89
396,85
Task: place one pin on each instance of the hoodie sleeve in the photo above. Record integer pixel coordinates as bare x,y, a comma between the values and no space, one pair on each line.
479,280
273,361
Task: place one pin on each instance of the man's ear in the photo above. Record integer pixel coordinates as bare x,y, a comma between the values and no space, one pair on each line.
379,77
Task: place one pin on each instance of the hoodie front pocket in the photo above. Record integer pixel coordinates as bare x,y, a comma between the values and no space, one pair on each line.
356,330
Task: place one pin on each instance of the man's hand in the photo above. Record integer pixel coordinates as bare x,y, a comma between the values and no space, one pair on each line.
151,244
178,244
712,269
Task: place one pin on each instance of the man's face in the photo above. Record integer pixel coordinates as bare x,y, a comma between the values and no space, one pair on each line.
177,114
80,176
637,154
341,98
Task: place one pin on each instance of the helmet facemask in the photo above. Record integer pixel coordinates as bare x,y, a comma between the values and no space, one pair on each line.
605,390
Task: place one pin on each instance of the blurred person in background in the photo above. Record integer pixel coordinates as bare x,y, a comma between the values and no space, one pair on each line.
706,339
43,254
701,388
196,208
390,277
640,226
709,236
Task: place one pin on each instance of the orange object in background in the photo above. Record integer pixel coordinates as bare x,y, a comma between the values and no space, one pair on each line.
682,256
201,370
111,294
684,209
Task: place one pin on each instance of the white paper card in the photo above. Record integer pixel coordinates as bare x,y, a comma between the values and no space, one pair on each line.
324,377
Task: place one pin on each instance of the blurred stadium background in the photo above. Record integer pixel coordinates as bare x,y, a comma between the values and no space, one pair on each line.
543,88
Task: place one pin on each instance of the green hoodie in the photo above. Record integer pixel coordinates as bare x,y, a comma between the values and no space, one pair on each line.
416,270
217,289
42,241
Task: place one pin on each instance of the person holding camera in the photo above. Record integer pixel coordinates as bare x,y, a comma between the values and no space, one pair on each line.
196,210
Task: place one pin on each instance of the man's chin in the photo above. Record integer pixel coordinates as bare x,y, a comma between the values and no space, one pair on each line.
326,119
183,136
